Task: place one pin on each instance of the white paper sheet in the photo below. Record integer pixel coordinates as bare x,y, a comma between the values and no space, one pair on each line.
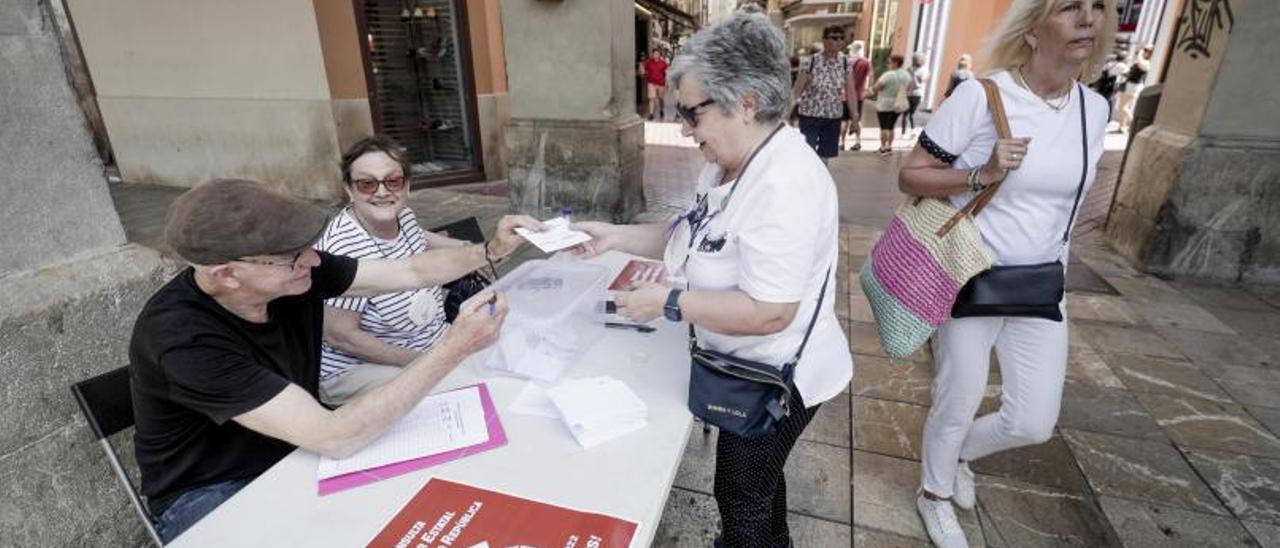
533,401
557,236
439,423
598,409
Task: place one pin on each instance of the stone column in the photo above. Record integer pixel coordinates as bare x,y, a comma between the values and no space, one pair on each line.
69,291
1200,194
574,138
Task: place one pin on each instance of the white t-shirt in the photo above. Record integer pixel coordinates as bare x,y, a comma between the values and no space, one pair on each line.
775,240
1025,220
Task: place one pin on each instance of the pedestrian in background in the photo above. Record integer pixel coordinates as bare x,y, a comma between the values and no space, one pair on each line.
919,78
1036,56
861,67
1109,78
960,74
890,91
1134,80
825,89
654,70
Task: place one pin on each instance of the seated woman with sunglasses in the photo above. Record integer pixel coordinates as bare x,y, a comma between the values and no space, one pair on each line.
368,339
750,259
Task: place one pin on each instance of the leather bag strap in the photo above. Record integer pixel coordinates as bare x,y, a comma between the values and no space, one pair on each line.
1001,120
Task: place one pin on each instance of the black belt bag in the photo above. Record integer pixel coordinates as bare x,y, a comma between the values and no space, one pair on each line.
741,396
1033,291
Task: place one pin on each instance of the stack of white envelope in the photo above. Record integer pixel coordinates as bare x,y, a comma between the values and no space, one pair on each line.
598,409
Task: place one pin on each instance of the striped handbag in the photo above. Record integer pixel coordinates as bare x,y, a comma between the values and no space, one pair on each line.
927,253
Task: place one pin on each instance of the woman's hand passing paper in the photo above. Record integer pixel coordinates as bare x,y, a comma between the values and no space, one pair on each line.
603,238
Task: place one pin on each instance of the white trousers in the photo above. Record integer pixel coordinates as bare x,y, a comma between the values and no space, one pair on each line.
1033,366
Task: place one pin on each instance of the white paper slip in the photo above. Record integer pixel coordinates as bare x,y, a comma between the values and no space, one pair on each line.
598,409
533,401
439,423
591,437
557,236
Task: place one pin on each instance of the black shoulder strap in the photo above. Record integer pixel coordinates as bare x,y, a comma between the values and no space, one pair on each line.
1084,159
812,59
817,309
822,293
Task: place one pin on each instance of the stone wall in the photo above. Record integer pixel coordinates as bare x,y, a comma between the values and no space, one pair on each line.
69,291
597,169
59,325
43,165
1200,194
574,138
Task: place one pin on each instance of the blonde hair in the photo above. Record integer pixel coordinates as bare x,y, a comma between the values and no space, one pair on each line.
965,61
1008,48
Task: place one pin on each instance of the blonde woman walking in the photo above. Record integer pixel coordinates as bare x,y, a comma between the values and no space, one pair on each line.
1038,56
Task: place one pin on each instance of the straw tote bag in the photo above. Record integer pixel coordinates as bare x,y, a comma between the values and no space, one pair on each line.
927,253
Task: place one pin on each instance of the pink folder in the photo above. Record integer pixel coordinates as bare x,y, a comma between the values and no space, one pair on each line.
497,438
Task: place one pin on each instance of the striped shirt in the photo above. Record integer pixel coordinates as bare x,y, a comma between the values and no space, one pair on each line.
388,317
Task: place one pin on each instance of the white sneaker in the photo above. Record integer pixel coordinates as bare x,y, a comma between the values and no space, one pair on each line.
940,522
964,496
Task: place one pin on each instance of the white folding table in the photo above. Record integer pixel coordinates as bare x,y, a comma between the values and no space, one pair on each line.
628,477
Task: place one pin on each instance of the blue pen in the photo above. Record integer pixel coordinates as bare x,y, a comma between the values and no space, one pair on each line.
490,308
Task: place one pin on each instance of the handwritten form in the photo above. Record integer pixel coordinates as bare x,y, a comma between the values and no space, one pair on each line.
439,423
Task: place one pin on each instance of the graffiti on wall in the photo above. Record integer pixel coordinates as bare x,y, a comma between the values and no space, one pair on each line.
1199,22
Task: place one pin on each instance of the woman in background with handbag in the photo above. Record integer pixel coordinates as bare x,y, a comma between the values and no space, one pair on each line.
758,253
891,100
1043,169
368,339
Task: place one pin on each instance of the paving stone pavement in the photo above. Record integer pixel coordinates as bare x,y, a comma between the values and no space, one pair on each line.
1169,434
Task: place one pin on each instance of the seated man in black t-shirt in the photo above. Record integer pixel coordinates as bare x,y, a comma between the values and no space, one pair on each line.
225,358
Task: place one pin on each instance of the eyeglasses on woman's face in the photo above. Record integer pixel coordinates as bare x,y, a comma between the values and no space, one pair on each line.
369,185
690,114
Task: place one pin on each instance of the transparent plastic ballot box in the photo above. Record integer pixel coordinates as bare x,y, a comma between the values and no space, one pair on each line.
556,311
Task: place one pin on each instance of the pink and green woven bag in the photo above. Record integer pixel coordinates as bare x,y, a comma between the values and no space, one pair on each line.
912,275
926,254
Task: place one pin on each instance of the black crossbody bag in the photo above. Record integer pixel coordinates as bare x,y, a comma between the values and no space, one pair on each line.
1035,290
742,396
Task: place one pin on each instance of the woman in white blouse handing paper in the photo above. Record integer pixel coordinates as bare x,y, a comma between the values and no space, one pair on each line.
755,251
1038,56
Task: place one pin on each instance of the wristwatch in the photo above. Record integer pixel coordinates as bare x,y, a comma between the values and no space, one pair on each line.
671,310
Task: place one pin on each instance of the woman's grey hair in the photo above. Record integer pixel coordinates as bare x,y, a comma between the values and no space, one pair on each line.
742,55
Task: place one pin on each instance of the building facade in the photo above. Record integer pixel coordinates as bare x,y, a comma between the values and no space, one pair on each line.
274,91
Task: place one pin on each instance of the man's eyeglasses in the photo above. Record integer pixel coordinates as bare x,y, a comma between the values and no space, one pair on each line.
291,264
690,114
369,185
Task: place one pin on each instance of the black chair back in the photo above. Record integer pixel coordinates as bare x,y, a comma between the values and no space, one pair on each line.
467,229
106,402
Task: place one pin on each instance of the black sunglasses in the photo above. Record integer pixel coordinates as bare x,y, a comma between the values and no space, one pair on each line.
834,37
690,114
